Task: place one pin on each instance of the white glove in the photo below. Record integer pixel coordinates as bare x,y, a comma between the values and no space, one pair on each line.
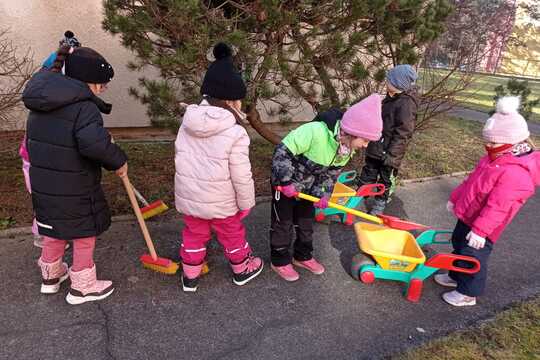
475,241
450,207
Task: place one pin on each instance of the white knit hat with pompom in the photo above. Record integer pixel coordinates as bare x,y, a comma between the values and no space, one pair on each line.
506,126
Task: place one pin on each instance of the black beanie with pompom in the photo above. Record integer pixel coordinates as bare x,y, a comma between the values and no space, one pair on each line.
87,65
222,80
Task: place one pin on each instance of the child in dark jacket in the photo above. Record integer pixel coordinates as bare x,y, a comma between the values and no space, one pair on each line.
67,147
309,160
487,201
383,157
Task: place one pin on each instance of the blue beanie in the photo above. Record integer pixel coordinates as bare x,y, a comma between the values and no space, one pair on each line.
402,77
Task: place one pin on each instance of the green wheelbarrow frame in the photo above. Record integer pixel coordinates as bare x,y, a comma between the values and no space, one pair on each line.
365,269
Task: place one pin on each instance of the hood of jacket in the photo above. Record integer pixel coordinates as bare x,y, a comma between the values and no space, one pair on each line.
530,162
48,91
204,120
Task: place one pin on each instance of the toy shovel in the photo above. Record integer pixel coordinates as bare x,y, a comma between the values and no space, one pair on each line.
387,220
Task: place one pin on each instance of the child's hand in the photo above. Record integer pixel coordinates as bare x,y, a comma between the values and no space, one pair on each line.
450,207
122,171
289,191
322,203
242,214
475,241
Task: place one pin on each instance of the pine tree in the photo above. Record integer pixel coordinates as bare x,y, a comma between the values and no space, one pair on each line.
326,52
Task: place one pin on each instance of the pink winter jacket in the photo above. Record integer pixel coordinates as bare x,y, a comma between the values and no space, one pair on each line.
213,173
494,192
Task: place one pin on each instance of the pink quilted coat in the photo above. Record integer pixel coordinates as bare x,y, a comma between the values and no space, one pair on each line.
213,174
494,192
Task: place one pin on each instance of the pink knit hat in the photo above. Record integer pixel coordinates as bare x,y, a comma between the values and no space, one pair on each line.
506,126
364,119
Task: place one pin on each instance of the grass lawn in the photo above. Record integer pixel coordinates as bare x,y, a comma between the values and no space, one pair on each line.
513,334
480,95
453,145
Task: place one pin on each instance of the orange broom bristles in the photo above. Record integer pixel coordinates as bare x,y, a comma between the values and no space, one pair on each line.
153,209
164,265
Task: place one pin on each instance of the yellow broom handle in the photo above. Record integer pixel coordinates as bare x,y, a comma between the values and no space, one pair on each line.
142,224
354,212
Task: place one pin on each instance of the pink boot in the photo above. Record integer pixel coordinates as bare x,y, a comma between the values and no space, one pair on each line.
85,287
312,265
287,272
190,277
247,270
52,274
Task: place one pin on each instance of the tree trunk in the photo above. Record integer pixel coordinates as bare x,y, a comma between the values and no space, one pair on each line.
254,118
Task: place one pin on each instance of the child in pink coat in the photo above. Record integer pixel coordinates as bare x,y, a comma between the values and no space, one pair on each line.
23,152
487,201
214,187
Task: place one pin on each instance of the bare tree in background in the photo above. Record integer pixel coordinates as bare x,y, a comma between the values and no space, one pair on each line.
16,68
451,62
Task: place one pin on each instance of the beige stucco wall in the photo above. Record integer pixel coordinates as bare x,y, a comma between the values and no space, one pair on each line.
40,24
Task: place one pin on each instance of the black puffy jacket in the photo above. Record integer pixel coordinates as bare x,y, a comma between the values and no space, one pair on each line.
399,119
68,145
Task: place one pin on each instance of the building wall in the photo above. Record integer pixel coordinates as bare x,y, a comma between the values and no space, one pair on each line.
40,24
523,59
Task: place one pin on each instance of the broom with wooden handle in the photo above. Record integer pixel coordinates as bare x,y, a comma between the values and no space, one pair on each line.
152,260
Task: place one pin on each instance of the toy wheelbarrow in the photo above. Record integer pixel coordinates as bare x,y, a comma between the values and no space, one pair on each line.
396,255
347,197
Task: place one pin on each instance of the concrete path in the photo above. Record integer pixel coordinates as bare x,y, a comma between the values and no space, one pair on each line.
319,317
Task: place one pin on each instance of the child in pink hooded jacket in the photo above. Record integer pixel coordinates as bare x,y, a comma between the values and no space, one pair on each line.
214,187
23,153
487,201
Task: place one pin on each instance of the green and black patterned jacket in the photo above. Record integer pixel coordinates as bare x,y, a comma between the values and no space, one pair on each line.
308,156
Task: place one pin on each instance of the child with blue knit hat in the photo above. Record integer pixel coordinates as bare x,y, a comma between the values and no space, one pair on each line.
383,157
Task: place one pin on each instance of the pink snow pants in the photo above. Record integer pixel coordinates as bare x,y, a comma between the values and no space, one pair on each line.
231,234
83,251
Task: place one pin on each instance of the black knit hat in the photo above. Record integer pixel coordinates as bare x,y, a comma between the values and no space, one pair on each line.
70,39
89,66
222,80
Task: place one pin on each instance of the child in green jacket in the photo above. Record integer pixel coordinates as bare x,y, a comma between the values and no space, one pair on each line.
309,160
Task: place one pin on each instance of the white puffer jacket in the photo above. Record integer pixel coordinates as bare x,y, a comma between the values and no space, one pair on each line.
213,177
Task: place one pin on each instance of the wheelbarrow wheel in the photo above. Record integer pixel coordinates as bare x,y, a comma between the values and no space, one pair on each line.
319,217
357,262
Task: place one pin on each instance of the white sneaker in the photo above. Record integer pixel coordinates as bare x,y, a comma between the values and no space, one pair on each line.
445,280
458,299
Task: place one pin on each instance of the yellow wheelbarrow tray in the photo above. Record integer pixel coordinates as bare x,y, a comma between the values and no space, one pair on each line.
392,249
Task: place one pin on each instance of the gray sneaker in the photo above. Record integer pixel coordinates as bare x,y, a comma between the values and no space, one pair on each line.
445,280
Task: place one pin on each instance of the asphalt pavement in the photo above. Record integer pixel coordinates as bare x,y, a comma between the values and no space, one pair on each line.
331,316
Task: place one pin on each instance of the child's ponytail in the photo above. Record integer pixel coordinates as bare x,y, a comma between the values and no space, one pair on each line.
61,55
